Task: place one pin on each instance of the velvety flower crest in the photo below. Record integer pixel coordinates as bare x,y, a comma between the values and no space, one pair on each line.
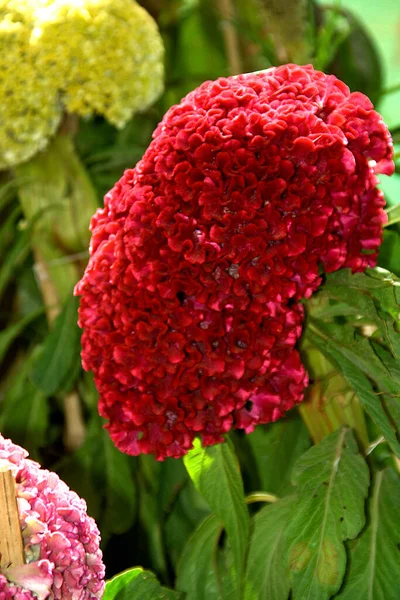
61,542
252,187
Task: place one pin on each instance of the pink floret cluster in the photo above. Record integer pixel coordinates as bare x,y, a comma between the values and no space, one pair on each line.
61,542
251,189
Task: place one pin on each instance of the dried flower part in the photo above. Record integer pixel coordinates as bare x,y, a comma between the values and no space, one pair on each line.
201,252
30,108
105,55
61,542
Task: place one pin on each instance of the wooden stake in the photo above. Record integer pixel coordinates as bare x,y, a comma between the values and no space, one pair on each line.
11,545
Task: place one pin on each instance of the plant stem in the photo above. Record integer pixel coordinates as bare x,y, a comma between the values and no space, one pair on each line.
11,545
261,497
231,39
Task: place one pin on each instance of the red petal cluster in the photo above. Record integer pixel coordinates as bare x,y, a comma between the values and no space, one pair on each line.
189,303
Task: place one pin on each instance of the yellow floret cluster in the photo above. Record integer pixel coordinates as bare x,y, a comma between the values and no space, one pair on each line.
30,109
79,56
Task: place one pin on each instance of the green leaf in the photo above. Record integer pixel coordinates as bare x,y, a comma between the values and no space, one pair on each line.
390,251
15,258
137,584
60,352
110,470
98,465
196,569
266,574
374,572
333,480
374,296
188,510
8,229
24,415
357,60
215,473
393,216
13,331
353,363
275,449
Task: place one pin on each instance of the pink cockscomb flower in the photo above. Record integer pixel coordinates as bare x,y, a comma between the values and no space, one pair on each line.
61,542
251,187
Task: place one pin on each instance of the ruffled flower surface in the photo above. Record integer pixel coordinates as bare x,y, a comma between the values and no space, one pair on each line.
251,187
30,108
61,543
91,56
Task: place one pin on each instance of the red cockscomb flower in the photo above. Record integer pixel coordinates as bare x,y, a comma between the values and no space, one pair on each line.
188,304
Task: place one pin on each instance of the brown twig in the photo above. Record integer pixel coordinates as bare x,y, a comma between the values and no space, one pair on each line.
231,39
74,427
11,545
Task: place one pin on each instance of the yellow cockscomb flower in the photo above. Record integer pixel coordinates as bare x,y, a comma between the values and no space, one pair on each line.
29,108
105,55
78,56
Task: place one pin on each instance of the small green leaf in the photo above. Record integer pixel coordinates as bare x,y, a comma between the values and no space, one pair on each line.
215,473
60,352
276,447
137,584
188,510
333,480
196,570
266,574
374,572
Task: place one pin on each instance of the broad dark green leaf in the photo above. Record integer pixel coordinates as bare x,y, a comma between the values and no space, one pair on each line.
276,447
215,473
353,364
393,216
332,480
356,59
8,228
374,296
137,584
111,473
188,510
7,336
266,574
15,257
196,569
61,351
374,572
98,465
390,250
24,415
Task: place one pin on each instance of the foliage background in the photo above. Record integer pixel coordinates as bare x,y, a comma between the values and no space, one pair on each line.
147,510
